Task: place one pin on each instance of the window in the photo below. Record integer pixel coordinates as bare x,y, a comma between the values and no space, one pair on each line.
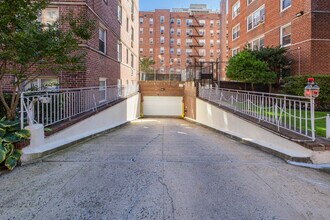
49,16
141,30
178,71
285,4
236,32
162,60
256,18
189,22
179,32
189,42
119,51
211,32
132,60
218,42
162,19
151,51
141,40
172,51
178,51
202,52
126,56
141,20
236,9
162,69
132,33
151,30
286,35
211,52
189,61
212,43
178,42
162,29
171,61
172,31
172,41
172,20
179,60
235,51
189,32
102,89
189,51
201,22
162,40
249,1
45,83
127,24
257,43
151,21
211,23
102,40
171,71
119,14
151,41
201,32
201,42
162,51
179,22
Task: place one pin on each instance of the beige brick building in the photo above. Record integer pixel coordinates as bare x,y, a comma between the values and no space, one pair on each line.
165,37
302,26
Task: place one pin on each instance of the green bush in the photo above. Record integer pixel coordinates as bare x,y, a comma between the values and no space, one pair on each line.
295,85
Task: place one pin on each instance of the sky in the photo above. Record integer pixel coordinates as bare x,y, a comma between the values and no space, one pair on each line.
148,5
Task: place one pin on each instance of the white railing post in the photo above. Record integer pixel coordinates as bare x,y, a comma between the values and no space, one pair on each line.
22,110
312,118
328,126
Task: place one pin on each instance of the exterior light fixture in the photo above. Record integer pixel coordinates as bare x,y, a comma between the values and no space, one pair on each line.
299,13
312,90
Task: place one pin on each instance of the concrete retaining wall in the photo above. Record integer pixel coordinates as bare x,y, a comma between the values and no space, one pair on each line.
217,118
112,117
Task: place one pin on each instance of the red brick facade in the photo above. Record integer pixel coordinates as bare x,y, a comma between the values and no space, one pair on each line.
310,34
175,43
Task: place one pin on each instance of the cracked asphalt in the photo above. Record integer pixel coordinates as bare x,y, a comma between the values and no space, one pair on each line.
159,168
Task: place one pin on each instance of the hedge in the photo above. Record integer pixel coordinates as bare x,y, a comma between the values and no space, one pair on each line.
295,85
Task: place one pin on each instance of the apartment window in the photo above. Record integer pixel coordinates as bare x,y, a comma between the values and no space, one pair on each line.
236,9
127,55
162,69
44,83
201,22
201,32
172,31
218,42
189,32
132,60
179,60
151,51
218,23
189,42
151,21
172,51
218,51
151,30
162,50
132,33
102,40
171,71
178,42
202,52
141,20
249,1
102,89
119,13
172,41
236,32
189,51
235,51
119,51
285,4
178,51
141,40
211,52
49,16
189,22
151,41
141,30
218,32
256,18
172,21
189,61
212,43
179,32
286,35
179,22
212,33
162,29
162,60
211,23
257,44
171,61
201,42
127,24
162,19
178,71
162,40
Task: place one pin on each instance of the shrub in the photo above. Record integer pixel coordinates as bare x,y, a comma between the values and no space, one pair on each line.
295,85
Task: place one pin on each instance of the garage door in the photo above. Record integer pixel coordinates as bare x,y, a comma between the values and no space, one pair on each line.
162,105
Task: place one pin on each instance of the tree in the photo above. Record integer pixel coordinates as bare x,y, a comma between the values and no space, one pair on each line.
276,59
29,48
246,67
146,64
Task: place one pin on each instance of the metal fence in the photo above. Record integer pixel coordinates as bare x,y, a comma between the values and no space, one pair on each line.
50,107
293,113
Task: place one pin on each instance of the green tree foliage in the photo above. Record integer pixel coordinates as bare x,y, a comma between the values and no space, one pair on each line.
29,48
276,59
246,67
146,65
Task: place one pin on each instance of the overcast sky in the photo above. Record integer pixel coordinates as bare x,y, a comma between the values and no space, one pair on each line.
147,5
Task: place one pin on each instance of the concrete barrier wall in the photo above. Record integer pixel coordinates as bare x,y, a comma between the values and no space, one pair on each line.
217,118
114,116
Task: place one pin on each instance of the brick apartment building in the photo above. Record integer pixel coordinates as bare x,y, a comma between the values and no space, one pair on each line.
301,25
165,36
112,53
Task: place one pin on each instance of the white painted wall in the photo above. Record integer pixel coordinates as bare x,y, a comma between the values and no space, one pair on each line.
221,120
162,105
114,116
